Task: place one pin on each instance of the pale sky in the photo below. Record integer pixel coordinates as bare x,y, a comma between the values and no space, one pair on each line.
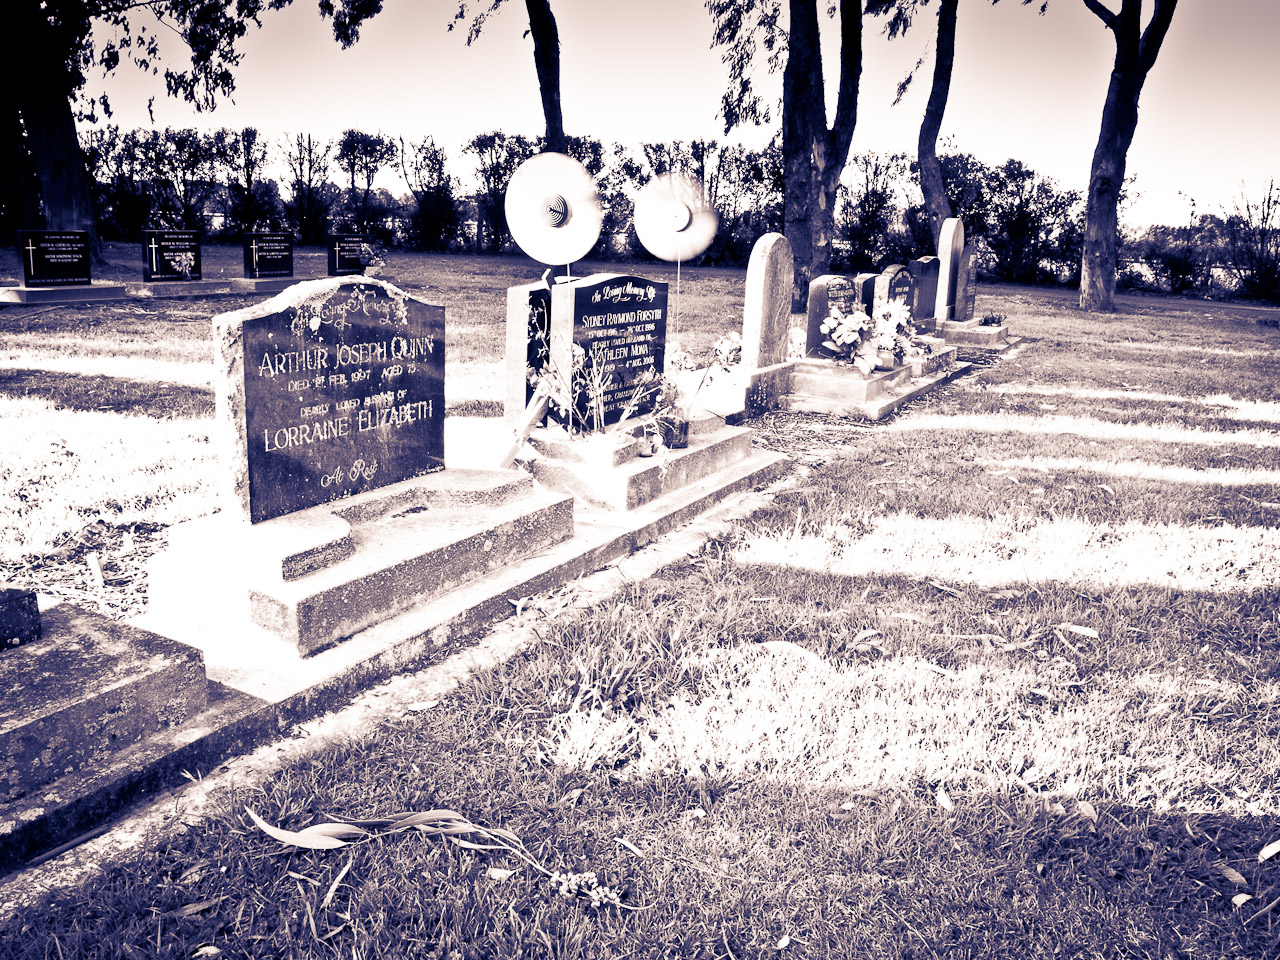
1024,86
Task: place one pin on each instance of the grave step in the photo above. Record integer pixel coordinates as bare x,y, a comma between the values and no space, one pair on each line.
632,483
878,406
823,378
973,333
75,293
319,575
180,288
87,688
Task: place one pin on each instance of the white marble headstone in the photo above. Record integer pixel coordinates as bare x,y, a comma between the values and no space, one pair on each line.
766,316
950,246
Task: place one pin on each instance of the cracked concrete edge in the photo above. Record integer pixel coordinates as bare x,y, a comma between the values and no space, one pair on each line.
148,821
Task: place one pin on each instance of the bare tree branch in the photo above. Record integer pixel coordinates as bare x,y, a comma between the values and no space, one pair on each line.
1103,14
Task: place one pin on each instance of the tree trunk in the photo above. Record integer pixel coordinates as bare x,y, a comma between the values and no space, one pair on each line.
21,190
1106,181
546,58
1136,52
813,157
42,88
937,206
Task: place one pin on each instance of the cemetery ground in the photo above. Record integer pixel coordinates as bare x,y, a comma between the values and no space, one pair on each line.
995,678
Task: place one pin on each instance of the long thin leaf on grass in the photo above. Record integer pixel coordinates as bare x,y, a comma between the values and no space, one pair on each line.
191,909
1235,876
333,887
301,838
1269,851
629,845
1080,631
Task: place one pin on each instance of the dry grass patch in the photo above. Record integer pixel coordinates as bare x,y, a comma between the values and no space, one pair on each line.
65,469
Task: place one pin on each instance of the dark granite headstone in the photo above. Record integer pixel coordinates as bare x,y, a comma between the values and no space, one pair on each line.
621,325
894,283
864,287
170,255
54,258
346,254
826,292
342,393
19,616
925,273
967,285
268,255
902,286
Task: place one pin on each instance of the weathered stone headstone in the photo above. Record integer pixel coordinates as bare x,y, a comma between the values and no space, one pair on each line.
766,314
19,616
825,292
336,391
52,258
924,300
893,283
346,254
268,255
950,246
170,255
966,285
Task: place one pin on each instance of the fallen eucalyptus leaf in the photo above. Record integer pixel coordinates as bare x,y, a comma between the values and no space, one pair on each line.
1235,876
314,841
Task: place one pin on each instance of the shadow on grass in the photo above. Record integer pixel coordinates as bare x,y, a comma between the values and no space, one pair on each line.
162,401
722,867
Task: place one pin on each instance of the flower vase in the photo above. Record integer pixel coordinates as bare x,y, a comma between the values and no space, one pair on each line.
675,434
885,359
646,446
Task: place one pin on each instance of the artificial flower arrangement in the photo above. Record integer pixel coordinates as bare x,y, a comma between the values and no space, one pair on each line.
859,341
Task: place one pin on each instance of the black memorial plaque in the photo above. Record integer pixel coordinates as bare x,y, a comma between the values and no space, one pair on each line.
268,255
169,255
346,254
54,258
621,325
342,396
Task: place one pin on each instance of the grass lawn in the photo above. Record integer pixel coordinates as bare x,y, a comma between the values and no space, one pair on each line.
997,678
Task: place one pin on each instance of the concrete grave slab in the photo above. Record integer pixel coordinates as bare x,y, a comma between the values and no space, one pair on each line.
89,687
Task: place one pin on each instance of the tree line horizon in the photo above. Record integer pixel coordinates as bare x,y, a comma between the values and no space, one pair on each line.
40,149
1026,228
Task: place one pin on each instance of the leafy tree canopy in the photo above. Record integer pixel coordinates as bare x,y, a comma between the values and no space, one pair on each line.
84,35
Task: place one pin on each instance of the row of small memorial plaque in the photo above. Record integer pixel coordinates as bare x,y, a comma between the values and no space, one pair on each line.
57,258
